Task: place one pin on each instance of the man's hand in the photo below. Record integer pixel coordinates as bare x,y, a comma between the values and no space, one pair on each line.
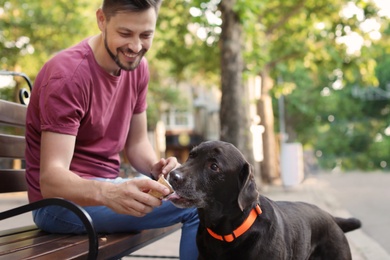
164,166
131,197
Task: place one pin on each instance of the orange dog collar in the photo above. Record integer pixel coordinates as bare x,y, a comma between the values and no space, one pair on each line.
241,229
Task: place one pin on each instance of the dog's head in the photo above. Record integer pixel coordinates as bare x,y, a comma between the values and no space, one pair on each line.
215,174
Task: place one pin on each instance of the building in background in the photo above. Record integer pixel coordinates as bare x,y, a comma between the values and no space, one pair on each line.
196,122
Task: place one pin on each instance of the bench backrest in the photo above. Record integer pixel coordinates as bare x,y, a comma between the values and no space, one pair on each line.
12,146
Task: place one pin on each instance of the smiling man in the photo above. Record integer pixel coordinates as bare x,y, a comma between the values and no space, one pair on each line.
126,45
87,105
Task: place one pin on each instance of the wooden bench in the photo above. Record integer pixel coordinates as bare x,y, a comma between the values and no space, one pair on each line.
31,243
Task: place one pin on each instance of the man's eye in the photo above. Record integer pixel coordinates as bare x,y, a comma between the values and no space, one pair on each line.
147,36
214,167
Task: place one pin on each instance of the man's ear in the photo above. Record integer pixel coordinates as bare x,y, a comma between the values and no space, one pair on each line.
101,20
248,190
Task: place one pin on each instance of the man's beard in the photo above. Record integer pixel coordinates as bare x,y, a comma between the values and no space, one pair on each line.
129,66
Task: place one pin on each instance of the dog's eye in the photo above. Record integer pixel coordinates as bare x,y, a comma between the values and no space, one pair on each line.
214,167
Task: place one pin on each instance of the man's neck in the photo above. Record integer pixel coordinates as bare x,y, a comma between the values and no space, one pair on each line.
101,56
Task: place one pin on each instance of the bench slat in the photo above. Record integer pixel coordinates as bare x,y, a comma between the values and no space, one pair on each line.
119,243
17,249
12,113
18,230
42,246
12,146
12,181
18,236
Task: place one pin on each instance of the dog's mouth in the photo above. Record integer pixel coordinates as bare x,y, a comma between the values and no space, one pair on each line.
173,196
180,200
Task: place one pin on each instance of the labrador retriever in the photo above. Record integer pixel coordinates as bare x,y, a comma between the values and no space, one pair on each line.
238,223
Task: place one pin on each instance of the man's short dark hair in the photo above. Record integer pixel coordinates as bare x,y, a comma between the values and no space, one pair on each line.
112,7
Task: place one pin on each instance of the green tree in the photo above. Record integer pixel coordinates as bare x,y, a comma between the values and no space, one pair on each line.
180,55
295,45
278,39
285,35
346,131
32,31
234,116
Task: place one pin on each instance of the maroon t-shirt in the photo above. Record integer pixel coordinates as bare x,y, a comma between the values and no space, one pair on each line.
73,95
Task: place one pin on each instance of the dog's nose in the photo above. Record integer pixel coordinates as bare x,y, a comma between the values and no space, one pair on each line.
175,178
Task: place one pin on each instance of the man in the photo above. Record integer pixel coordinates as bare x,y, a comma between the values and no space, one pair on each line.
88,104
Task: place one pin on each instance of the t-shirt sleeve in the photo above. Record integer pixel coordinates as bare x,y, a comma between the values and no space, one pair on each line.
61,106
142,88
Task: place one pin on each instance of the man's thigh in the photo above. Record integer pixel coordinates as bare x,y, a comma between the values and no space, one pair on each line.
106,220
57,219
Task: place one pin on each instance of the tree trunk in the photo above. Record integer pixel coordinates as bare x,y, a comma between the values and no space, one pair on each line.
269,166
234,116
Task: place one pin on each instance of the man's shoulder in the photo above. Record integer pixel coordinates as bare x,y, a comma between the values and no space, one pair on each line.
71,57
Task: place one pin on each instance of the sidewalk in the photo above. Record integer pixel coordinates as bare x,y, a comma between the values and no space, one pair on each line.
312,190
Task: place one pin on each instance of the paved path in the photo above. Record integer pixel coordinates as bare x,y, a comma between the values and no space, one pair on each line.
366,196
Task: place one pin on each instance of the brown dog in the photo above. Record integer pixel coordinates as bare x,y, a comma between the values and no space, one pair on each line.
237,223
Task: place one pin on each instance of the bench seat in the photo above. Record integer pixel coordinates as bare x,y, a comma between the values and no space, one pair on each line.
32,243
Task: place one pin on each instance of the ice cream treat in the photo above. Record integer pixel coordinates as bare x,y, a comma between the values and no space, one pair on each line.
164,182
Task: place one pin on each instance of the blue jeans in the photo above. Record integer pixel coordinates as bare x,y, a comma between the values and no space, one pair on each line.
55,219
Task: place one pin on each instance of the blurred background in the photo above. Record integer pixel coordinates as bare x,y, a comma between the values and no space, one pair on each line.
299,86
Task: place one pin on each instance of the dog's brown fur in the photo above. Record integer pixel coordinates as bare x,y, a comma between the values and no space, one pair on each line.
218,180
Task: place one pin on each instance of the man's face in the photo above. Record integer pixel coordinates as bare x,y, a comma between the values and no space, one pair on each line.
128,36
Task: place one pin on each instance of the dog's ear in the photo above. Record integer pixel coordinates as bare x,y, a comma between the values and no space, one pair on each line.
248,190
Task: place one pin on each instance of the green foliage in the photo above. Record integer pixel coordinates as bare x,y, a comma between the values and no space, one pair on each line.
33,31
6,93
185,43
346,131
295,39
317,76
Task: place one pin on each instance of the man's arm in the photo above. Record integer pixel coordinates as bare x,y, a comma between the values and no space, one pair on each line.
55,177
138,148
56,180
140,152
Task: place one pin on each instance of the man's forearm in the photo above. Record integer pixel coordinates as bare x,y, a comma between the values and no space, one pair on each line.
66,184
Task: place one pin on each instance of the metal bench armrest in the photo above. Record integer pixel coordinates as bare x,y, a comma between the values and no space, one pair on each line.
79,211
